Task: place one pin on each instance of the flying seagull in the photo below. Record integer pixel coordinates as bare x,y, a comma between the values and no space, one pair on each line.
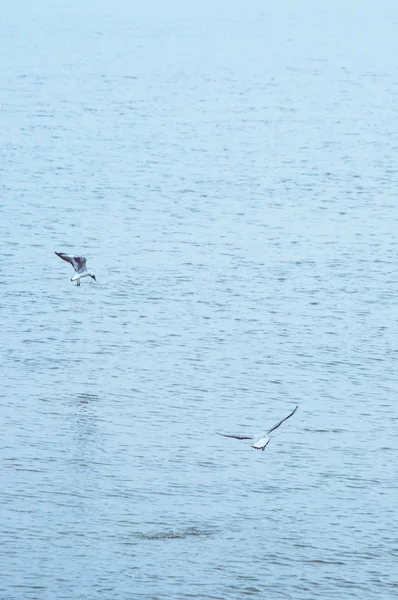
79,264
262,442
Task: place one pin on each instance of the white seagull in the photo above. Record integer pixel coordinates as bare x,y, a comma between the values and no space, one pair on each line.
79,264
262,442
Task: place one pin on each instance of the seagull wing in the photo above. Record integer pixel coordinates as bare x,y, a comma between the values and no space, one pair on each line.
280,422
77,262
80,263
237,436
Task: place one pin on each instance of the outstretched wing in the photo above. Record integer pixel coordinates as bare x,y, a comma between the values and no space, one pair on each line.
280,422
77,262
80,262
236,436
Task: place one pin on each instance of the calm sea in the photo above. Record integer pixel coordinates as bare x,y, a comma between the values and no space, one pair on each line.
230,172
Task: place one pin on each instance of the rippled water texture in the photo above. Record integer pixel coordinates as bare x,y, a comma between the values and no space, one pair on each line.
230,172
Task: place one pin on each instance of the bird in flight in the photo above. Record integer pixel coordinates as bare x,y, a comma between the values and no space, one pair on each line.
262,442
79,264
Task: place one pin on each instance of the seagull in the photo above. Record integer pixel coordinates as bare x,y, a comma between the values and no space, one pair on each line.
79,264
262,442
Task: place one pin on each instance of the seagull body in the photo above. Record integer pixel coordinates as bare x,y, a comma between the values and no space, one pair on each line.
262,442
79,264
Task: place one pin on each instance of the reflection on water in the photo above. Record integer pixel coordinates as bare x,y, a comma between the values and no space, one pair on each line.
177,535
